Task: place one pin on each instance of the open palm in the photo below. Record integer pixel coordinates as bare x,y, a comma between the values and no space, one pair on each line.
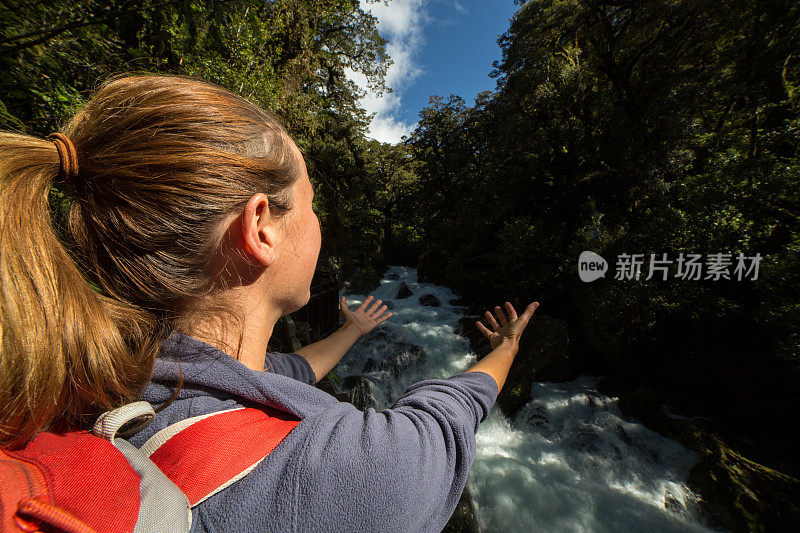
503,327
365,319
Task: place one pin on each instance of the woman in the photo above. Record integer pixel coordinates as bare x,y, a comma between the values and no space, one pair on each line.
191,211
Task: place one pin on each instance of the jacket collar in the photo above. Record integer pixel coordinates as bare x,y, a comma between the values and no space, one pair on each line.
205,367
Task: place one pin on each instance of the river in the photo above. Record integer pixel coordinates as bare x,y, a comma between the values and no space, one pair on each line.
568,460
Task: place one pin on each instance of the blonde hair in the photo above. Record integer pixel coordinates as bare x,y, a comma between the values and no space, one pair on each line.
163,161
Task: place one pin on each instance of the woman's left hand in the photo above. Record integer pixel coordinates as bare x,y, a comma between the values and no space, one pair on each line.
362,318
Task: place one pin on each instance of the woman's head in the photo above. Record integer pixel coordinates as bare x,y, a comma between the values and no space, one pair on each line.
290,251
165,163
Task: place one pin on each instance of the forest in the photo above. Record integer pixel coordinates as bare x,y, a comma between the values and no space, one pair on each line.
617,126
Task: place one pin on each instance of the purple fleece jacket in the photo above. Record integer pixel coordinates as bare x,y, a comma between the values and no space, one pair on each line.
341,469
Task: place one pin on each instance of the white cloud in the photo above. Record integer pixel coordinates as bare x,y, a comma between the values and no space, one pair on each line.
400,23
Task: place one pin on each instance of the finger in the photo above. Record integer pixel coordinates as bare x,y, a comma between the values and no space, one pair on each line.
374,306
492,321
364,304
526,315
343,303
512,313
483,329
384,318
380,311
500,315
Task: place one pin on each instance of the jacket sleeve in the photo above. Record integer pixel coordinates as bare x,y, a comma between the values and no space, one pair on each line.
400,469
290,364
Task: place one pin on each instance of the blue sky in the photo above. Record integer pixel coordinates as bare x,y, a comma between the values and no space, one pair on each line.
439,47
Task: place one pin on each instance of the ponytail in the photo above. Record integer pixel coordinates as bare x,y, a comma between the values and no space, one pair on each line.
68,352
158,165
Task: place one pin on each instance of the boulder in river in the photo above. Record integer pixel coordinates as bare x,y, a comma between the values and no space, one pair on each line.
401,357
403,291
477,342
360,392
429,300
373,365
544,355
326,385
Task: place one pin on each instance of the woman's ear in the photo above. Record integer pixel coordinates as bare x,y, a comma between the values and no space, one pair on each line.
259,230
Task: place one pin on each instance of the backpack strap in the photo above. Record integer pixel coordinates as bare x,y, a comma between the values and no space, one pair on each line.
204,454
162,507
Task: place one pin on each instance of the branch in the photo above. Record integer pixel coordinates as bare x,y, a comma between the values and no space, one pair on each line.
49,34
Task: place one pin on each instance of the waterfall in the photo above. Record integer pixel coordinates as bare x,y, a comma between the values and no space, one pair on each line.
567,461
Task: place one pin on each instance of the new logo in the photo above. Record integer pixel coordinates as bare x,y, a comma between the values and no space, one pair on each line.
591,266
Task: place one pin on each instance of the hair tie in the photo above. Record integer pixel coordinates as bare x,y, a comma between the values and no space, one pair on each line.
68,156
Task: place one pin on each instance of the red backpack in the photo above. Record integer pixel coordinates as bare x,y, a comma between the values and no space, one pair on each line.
82,482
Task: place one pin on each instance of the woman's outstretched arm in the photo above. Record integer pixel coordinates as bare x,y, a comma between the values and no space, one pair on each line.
504,340
323,355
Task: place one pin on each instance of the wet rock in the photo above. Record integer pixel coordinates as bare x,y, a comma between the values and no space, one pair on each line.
622,434
587,439
409,355
325,385
544,355
537,417
429,300
403,356
671,503
360,392
478,343
393,276
458,302
643,404
403,291
395,355
373,365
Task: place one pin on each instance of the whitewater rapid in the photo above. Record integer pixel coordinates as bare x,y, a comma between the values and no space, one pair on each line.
567,461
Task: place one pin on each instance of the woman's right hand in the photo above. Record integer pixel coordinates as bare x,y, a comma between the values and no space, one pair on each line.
509,328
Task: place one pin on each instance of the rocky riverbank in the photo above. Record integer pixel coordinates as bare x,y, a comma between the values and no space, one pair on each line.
737,493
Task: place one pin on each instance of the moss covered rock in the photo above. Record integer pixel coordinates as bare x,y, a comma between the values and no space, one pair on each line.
736,493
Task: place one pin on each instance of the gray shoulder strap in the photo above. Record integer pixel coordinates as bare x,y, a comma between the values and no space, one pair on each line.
163,506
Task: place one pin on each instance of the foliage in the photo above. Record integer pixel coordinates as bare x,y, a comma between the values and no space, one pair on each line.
634,127
289,56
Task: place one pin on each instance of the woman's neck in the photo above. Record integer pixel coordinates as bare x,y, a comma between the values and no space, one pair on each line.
254,329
